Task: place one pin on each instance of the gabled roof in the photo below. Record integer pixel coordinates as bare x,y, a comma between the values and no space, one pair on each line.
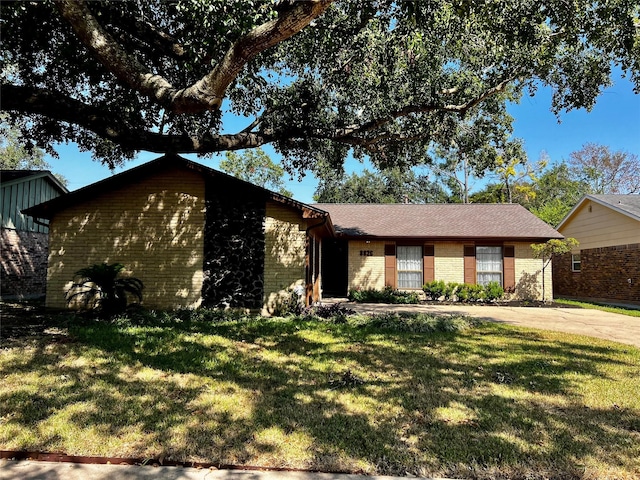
47,209
11,177
438,221
628,205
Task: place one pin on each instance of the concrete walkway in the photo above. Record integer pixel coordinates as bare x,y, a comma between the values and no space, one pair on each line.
581,321
30,470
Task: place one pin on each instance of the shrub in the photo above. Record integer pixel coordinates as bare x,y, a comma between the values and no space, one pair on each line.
476,292
463,292
450,290
493,291
388,295
99,287
292,303
332,311
435,289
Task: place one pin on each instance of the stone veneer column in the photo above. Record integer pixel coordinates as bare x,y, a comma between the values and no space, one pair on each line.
233,246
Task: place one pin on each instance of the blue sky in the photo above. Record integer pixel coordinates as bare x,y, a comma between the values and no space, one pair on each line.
614,121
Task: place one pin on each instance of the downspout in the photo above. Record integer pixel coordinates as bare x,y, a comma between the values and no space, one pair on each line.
309,286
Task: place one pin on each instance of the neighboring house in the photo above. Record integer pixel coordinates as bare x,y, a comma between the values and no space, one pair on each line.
404,245
193,235
606,264
23,242
199,237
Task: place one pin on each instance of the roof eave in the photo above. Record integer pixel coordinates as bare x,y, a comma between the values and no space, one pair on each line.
449,238
39,174
567,218
47,209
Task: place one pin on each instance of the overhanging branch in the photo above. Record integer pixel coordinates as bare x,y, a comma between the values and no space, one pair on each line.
110,126
350,133
208,92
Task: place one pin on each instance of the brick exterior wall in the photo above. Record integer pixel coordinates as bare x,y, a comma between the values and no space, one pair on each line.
285,254
449,261
529,275
368,272
23,272
604,275
153,227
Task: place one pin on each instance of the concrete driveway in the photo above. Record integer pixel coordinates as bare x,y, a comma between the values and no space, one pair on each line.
580,321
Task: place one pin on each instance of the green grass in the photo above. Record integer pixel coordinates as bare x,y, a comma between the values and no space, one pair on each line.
632,312
390,395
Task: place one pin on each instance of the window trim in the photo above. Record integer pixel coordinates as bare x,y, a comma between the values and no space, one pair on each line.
574,263
421,263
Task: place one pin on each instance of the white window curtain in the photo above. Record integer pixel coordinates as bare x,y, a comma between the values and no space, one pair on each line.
489,265
409,267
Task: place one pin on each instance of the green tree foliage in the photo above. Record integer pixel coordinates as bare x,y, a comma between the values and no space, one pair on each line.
18,154
317,79
387,186
516,175
475,147
256,167
513,169
605,171
551,193
556,192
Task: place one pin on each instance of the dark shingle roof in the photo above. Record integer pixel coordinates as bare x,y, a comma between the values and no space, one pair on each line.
443,221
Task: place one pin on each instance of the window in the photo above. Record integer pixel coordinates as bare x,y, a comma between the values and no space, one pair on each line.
575,262
489,265
409,267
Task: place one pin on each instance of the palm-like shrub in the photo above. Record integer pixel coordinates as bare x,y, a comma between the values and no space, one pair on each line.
101,287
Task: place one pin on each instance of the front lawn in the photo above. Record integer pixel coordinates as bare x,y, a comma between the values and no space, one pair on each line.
630,311
466,400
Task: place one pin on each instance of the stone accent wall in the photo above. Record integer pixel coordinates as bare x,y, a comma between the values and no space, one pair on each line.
285,254
234,246
154,227
604,275
23,272
366,271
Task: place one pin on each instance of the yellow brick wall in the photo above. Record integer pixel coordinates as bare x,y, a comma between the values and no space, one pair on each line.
285,253
366,272
529,275
449,261
154,228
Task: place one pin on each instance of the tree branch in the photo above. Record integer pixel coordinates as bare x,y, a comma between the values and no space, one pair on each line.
289,22
353,130
114,58
208,92
111,126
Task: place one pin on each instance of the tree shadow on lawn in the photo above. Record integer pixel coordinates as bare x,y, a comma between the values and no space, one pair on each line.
275,393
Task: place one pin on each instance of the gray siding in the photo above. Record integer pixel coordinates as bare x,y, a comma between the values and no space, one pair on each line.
18,195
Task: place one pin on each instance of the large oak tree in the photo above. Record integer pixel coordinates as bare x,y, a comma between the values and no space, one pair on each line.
316,79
